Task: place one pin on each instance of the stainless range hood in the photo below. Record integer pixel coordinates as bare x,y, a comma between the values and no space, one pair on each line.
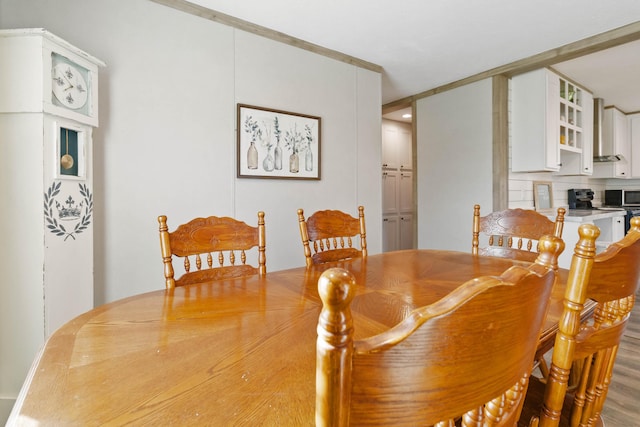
602,150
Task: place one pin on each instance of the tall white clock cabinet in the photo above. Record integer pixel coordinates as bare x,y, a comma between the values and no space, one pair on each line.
48,110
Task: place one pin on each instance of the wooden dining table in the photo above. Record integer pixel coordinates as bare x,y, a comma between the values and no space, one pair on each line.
233,352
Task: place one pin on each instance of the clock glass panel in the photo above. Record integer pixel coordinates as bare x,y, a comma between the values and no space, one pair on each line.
70,85
69,160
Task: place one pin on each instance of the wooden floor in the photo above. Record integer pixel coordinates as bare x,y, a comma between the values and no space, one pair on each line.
622,407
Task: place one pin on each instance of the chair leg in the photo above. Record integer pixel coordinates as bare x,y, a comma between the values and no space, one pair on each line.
544,369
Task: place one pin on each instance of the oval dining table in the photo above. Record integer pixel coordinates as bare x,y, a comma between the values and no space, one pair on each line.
233,352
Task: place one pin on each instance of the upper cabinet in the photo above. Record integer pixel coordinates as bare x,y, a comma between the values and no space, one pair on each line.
616,137
634,130
551,125
396,147
576,130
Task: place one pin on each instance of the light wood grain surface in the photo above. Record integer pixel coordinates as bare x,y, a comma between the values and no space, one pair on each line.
233,352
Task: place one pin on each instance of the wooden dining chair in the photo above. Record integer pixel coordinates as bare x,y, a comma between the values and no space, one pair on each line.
512,233
225,239
468,355
586,353
331,233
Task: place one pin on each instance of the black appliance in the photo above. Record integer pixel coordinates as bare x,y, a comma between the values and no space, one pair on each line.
580,198
622,198
631,212
628,200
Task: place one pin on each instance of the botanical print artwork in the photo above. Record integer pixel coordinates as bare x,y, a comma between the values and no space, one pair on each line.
69,215
277,144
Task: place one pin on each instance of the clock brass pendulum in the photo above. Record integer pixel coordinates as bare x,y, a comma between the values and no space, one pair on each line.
66,161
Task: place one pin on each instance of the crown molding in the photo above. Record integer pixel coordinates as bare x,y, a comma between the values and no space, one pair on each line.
221,18
602,41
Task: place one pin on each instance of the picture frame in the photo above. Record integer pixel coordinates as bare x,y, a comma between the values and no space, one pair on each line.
542,195
277,144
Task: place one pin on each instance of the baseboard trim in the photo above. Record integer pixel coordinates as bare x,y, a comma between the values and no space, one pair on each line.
6,404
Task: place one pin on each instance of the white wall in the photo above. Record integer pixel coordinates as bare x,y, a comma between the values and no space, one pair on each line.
454,153
166,143
521,188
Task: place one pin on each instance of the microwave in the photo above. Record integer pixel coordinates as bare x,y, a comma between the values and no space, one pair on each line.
622,197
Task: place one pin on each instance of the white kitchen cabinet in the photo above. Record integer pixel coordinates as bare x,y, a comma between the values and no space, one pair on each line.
397,186
610,223
406,231
396,147
390,192
579,161
397,200
389,158
398,232
634,142
615,133
611,230
535,110
405,192
551,124
390,233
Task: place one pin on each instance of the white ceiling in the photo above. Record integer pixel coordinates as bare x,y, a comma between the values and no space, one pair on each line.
399,115
425,44
612,74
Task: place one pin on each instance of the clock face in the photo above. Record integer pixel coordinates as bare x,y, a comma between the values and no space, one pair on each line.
69,86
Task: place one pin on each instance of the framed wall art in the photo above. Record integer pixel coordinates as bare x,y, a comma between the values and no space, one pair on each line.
277,144
542,195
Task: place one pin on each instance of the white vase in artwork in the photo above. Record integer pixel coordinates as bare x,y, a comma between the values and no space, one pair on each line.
268,163
294,163
308,160
252,156
278,157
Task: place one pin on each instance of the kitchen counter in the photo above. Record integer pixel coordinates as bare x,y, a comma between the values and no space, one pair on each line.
589,215
610,221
